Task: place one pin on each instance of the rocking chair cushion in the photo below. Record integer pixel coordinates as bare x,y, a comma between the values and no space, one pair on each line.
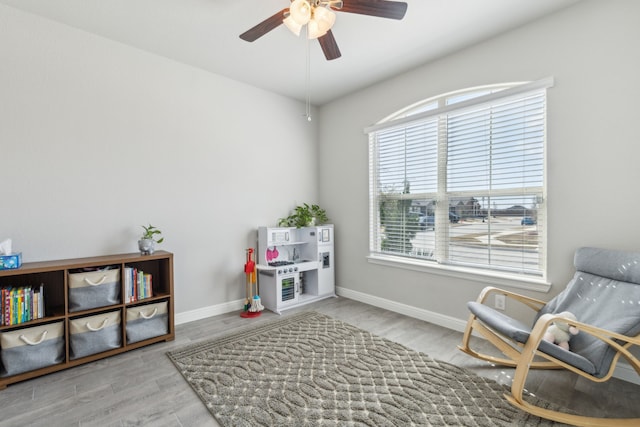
604,292
520,332
500,322
622,266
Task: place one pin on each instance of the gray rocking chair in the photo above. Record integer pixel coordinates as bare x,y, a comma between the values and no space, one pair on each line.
604,294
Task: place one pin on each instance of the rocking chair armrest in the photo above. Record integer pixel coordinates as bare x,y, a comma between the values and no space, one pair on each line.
533,303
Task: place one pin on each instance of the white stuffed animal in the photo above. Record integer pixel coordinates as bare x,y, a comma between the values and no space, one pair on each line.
560,332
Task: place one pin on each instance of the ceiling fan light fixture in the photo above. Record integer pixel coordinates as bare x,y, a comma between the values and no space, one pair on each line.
324,17
314,30
300,11
292,25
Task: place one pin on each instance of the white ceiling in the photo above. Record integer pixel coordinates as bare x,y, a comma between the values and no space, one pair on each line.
204,34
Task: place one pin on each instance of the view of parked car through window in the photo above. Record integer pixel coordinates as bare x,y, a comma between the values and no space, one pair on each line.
504,229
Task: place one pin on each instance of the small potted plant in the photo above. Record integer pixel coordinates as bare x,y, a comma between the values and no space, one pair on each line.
151,236
304,216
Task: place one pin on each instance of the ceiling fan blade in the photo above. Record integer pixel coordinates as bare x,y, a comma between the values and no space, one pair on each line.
264,27
329,46
380,8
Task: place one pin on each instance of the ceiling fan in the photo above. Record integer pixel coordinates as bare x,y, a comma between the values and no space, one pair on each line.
319,17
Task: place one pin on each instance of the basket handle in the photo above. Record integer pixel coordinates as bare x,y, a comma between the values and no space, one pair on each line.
99,282
28,341
155,311
99,328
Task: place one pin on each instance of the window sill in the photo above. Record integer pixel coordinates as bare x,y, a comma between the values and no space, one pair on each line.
492,278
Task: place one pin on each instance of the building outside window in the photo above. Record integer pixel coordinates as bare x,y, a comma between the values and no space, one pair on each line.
459,181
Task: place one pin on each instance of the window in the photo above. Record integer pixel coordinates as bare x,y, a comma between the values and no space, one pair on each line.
459,180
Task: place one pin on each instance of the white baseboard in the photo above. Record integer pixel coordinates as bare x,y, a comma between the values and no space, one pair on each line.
623,370
212,310
418,313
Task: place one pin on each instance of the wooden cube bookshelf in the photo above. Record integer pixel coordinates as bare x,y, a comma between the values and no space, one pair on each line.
54,276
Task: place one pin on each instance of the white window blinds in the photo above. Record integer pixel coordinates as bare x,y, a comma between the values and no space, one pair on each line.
463,184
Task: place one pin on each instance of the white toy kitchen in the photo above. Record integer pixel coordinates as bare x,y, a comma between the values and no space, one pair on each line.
295,266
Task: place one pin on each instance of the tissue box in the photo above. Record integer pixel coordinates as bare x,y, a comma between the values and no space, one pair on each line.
10,261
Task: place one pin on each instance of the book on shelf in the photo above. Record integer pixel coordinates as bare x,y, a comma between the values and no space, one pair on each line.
137,284
20,304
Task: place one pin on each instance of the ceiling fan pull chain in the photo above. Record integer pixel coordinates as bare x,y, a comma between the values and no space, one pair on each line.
308,79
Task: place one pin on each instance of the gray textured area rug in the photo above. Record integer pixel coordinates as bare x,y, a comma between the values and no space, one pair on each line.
310,369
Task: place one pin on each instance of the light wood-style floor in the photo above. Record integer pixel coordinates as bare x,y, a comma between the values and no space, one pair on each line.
143,387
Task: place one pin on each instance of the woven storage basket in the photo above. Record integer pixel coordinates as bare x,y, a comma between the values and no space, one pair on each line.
95,334
147,321
32,348
94,289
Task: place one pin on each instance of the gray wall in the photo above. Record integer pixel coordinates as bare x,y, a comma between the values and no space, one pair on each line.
98,138
593,145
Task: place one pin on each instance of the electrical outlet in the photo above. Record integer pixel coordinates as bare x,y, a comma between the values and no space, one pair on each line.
500,302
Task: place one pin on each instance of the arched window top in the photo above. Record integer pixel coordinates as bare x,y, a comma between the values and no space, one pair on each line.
449,98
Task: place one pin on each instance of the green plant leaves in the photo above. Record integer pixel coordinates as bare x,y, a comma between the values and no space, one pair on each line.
304,216
150,231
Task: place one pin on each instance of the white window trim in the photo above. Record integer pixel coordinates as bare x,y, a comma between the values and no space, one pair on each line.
494,277
517,90
491,277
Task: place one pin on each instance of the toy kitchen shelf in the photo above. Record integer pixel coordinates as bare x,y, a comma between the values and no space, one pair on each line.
295,266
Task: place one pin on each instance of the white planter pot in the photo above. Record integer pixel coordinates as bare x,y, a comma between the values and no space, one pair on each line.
146,246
